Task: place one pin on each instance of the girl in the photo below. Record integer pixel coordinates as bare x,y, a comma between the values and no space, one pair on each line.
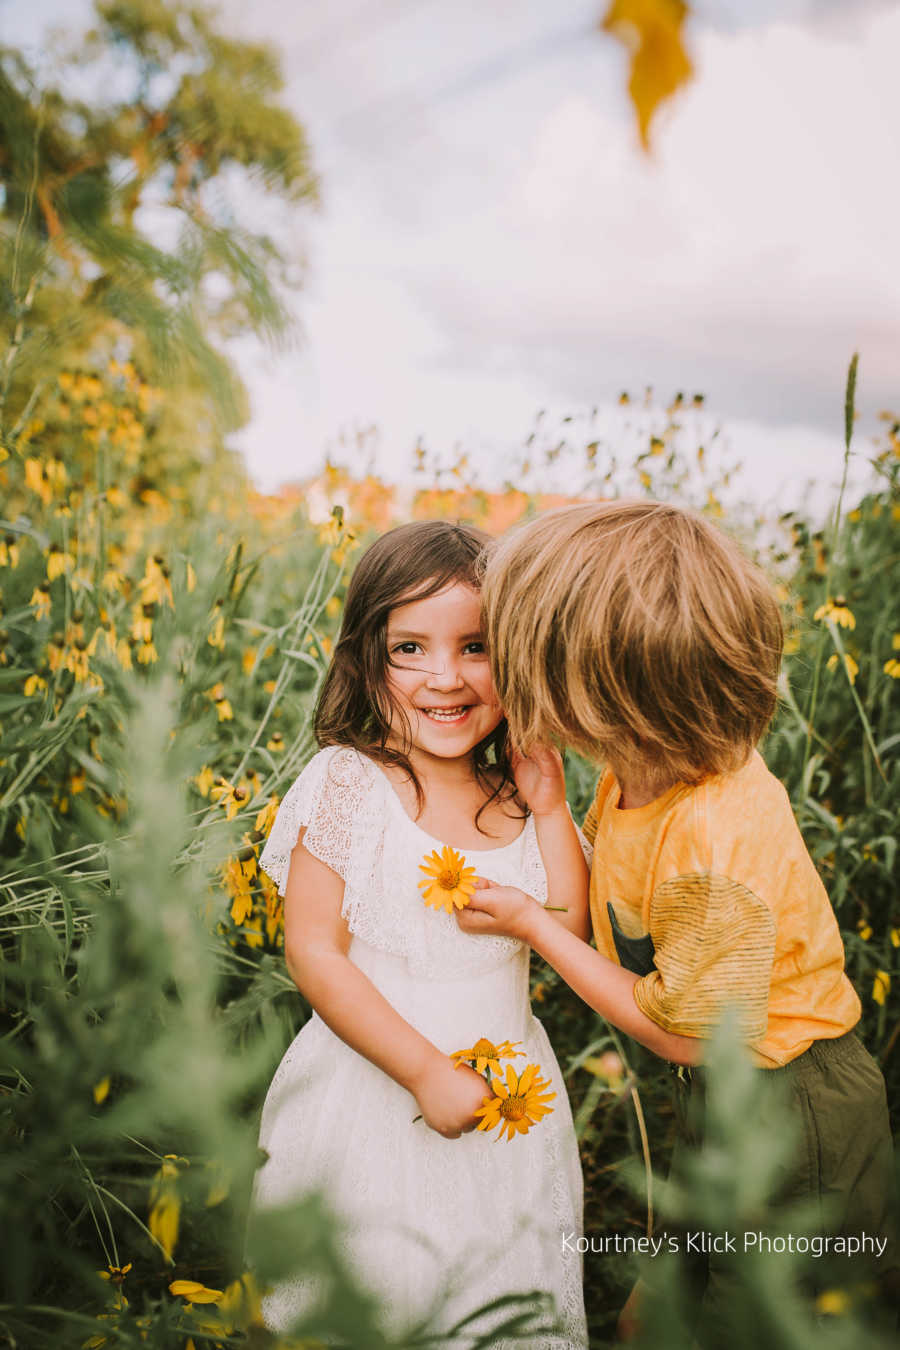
437,1219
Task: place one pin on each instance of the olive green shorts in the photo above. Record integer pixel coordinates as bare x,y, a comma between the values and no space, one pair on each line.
842,1163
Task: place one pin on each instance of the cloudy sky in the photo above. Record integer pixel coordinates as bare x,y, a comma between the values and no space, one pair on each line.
491,240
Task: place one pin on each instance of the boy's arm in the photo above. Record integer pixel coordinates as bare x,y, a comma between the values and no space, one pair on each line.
567,871
541,783
316,942
604,985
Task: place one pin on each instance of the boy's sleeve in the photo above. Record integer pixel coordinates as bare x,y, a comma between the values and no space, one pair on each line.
714,944
589,825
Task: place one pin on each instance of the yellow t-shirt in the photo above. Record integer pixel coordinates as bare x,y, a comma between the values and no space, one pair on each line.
719,878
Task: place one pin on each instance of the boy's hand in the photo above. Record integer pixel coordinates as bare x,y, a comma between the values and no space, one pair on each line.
540,780
449,1095
502,911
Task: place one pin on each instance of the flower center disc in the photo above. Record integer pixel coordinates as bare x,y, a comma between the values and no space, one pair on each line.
513,1108
448,881
483,1047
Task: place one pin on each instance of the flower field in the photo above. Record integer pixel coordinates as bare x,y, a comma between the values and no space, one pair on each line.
164,630
161,651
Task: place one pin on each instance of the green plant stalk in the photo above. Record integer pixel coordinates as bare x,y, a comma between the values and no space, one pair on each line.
849,413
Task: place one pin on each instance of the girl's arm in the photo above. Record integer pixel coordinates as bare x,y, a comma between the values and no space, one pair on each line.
604,985
541,784
316,942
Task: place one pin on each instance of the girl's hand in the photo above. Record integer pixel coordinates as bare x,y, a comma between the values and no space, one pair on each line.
503,911
448,1096
540,780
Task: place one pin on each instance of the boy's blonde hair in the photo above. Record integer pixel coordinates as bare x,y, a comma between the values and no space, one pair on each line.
636,632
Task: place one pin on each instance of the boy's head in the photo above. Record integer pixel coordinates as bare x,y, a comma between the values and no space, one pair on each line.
638,633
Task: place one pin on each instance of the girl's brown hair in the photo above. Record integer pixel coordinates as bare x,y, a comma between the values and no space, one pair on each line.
355,708
637,632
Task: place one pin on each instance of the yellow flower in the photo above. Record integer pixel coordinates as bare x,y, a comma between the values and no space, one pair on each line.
864,930
275,743
33,684
248,659
850,665
194,1292
231,798
240,1304
40,598
155,584
35,480
77,661
58,562
881,986
216,635
204,780
895,937
837,611
190,577
832,1302
518,1103
265,818
9,551
101,1092
147,653
165,1204
448,881
485,1055
892,668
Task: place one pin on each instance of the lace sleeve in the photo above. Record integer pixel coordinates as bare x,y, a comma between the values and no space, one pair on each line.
326,799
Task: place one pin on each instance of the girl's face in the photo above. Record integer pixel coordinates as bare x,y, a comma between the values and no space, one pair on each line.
439,676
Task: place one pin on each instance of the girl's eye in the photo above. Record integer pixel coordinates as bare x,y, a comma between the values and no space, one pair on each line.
475,648
405,649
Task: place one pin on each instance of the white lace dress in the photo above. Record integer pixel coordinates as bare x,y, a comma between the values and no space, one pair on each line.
428,1221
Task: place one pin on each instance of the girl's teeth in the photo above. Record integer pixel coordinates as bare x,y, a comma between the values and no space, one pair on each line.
446,714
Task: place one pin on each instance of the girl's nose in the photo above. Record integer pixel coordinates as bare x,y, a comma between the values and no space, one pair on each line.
447,676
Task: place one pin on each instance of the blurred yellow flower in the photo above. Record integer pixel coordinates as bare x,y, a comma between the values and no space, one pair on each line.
881,986
194,1292
204,780
40,598
35,480
448,882
485,1055
165,1204
101,1092
832,1303
837,611
864,930
33,684
266,817
275,743
216,636
9,551
518,1103
147,653
850,665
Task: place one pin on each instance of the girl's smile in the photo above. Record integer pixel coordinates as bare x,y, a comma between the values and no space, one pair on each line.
439,676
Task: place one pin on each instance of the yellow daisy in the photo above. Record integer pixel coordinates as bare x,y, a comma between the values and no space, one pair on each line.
518,1103
836,610
448,881
485,1055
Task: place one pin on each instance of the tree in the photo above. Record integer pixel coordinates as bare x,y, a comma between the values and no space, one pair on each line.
130,241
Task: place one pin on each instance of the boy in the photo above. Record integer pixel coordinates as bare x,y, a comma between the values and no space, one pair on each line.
640,634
